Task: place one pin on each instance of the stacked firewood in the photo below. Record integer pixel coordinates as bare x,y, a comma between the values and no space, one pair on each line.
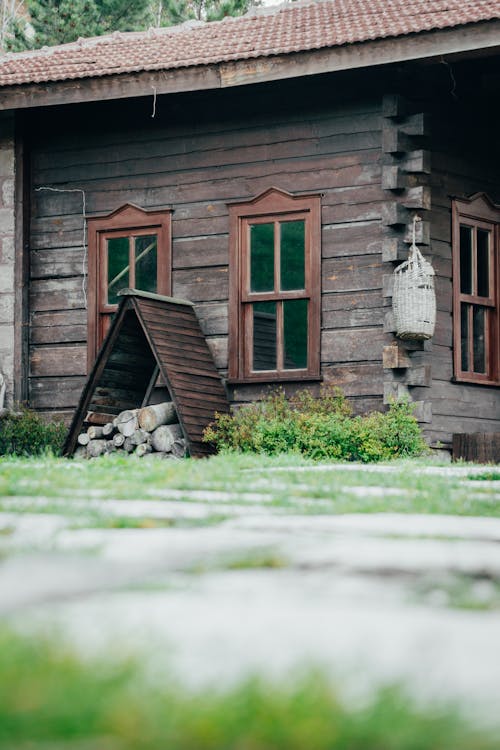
152,430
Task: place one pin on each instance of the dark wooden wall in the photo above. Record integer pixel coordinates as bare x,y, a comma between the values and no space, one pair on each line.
465,159
196,154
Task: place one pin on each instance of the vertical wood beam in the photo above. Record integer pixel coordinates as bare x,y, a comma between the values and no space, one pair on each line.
22,262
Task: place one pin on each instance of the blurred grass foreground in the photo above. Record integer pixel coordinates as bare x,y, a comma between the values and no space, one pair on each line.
49,698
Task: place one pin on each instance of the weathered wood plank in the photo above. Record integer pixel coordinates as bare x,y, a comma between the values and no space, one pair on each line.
58,327
347,301
355,274
195,136
468,397
57,263
240,158
58,360
197,252
218,350
55,393
357,318
356,379
352,238
342,170
357,345
202,285
56,294
213,318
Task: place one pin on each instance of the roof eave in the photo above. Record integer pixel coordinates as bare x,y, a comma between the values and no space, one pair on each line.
464,41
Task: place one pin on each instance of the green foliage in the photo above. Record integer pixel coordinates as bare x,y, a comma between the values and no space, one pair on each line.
319,428
177,11
26,434
61,21
51,699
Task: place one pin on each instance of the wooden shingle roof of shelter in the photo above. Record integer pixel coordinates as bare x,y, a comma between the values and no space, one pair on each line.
152,334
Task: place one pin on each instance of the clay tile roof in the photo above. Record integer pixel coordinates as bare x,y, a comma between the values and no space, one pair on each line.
263,32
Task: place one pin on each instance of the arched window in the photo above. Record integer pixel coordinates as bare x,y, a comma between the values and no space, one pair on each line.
476,290
274,329
129,248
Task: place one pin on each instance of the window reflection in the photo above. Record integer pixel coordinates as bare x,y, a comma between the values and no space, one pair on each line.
264,336
262,257
292,254
118,267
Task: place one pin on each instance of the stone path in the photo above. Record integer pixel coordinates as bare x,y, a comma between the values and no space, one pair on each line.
224,585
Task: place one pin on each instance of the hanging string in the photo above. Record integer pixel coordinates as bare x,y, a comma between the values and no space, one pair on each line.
416,219
84,231
453,91
154,101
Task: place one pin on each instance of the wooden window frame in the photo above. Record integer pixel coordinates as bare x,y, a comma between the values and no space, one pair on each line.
126,221
273,205
477,212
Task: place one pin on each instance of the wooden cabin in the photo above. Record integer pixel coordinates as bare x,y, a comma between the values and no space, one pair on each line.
267,169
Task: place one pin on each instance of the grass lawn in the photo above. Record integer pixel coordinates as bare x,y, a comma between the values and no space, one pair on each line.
290,482
50,700
53,699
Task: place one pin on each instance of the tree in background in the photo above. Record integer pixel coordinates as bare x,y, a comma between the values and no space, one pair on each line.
10,12
34,23
176,11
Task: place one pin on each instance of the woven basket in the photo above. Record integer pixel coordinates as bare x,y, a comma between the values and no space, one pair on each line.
414,299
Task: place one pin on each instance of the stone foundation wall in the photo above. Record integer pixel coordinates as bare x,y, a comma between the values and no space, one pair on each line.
7,251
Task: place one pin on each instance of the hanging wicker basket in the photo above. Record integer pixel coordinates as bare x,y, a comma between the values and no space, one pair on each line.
414,299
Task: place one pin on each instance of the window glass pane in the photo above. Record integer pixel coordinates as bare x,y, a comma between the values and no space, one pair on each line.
464,336
118,267
295,334
483,262
264,336
292,254
478,320
145,263
262,257
465,259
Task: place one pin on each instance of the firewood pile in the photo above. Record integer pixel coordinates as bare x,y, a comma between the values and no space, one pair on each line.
153,430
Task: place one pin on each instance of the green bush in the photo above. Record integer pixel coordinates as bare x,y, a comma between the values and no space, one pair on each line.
320,428
26,434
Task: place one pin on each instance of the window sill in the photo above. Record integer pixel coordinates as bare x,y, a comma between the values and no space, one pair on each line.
274,379
473,381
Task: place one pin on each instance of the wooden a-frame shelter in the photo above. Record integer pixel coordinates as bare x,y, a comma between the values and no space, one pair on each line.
153,338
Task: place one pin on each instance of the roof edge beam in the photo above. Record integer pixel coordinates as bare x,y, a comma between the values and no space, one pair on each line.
468,40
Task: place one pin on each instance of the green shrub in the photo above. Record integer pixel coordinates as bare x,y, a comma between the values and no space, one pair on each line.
320,428
26,434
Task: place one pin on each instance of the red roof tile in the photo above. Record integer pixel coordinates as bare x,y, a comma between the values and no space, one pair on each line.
269,31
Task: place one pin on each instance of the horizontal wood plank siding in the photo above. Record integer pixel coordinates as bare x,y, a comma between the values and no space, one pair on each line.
464,161
195,159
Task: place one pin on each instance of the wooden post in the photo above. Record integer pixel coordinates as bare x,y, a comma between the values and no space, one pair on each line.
481,447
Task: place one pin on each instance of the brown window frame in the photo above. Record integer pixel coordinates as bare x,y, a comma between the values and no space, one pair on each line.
126,221
477,212
273,205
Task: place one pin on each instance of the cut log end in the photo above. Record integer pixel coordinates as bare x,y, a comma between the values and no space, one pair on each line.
126,422
151,417
163,438
142,449
96,448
